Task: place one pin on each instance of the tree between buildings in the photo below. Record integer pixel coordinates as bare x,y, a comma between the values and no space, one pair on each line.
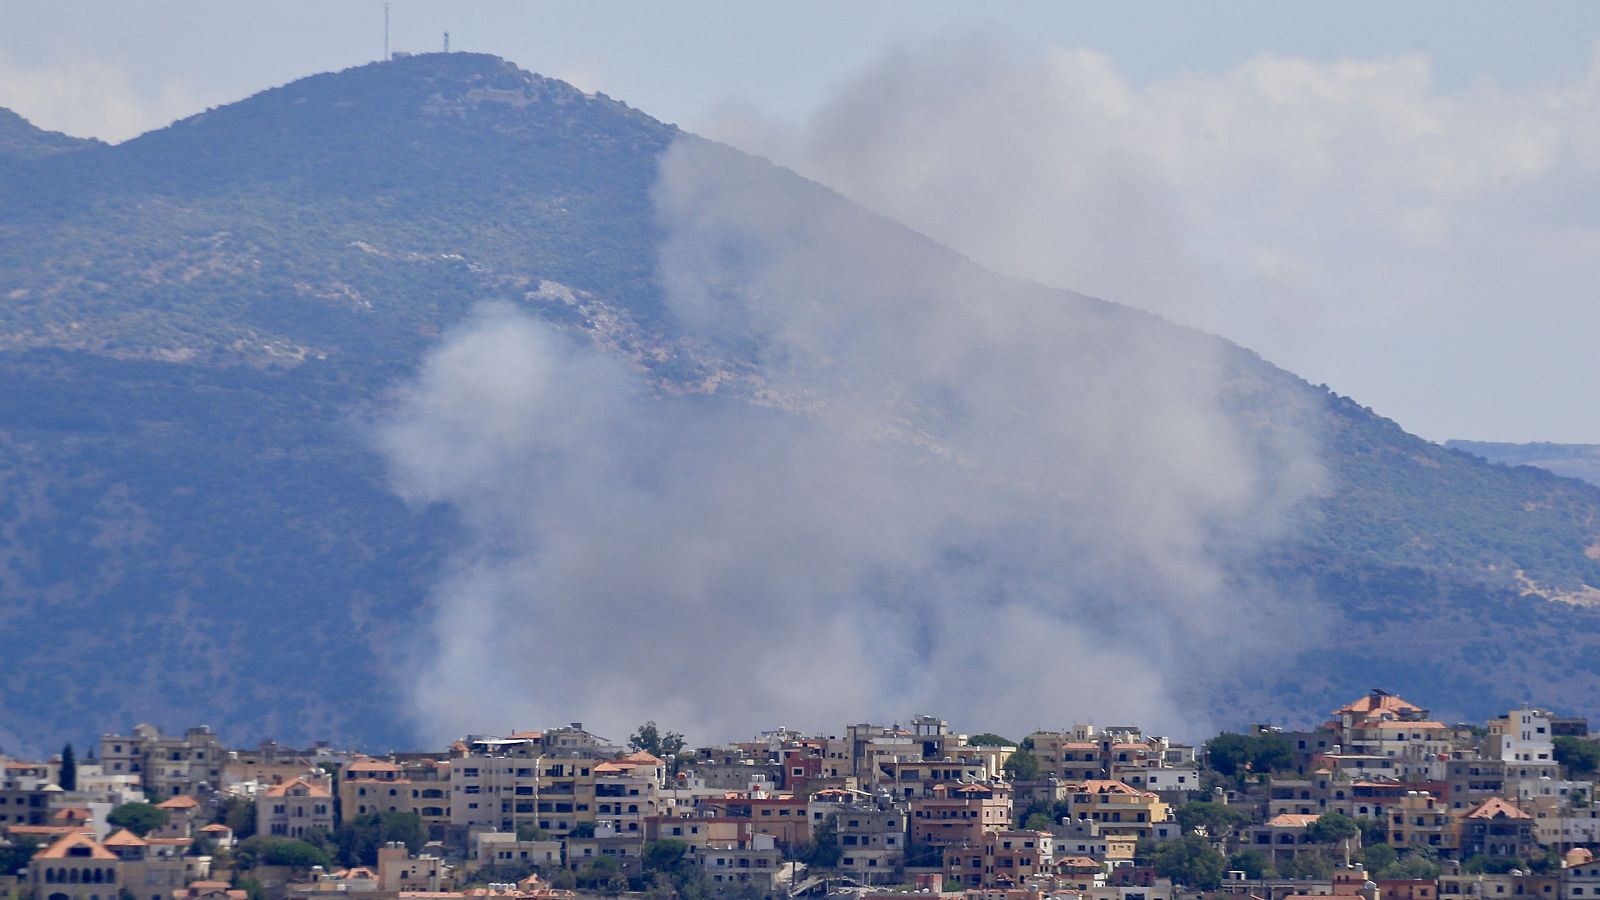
1235,754
1022,766
1217,821
1581,757
139,818
1190,861
69,769
358,840
665,746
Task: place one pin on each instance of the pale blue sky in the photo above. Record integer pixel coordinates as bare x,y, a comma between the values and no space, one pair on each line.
1415,226
678,60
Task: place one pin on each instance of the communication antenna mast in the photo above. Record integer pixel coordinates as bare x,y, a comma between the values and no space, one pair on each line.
386,31
447,42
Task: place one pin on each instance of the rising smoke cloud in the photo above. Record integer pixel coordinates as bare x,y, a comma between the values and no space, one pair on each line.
1354,220
940,491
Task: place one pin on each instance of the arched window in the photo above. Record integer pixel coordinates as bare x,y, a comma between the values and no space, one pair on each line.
49,876
72,877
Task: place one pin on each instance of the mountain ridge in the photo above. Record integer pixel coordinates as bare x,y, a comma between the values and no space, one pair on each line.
199,317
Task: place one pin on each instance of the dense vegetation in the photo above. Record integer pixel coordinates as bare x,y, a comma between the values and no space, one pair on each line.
196,324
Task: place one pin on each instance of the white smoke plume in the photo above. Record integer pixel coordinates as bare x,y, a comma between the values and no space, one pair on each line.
1354,220
942,492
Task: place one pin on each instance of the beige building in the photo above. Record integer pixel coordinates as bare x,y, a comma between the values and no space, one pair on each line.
1421,820
627,791
295,809
999,859
960,814
154,868
74,867
369,785
1116,807
167,765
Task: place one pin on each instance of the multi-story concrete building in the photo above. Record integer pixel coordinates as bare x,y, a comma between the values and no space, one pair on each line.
1522,735
960,814
1118,808
295,809
871,833
1496,828
1004,858
1421,820
627,791
756,864
75,867
167,765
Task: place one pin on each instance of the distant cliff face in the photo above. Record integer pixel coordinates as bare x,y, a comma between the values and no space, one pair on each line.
196,327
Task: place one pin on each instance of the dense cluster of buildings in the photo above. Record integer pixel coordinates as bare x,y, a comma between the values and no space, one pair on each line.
875,810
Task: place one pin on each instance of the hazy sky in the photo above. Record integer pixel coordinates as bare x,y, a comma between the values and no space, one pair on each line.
1398,202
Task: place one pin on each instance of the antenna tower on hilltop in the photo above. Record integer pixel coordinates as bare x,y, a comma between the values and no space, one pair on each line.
386,31
447,42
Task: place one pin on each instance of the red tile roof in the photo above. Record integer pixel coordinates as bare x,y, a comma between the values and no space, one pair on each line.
282,790
63,846
125,838
1497,808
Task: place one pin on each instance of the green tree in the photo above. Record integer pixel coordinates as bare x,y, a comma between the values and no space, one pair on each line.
1038,822
1580,757
1253,863
295,854
1234,754
527,831
594,873
1273,753
1332,828
250,886
139,818
1419,863
1190,861
357,840
1022,766
266,850
989,739
665,855
1379,857
69,769
1373,831
1492,865
1217,820
1307,864
1228,753
823,850
15,856
662,745
1545,863
239,815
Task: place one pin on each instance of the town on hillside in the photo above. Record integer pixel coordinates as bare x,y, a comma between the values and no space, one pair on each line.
1381,801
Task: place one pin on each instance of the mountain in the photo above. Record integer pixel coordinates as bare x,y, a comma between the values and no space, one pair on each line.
1581,461
198,322
20,140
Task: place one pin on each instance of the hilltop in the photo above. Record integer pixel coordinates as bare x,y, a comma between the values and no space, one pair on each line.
1581,461
197,321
